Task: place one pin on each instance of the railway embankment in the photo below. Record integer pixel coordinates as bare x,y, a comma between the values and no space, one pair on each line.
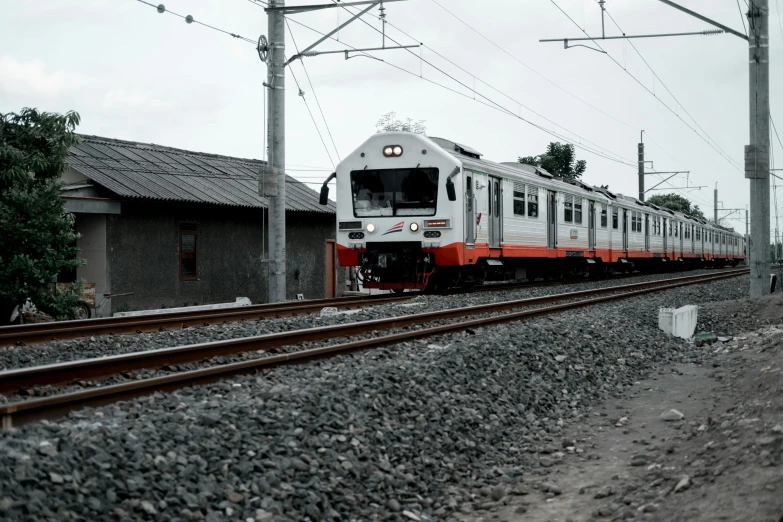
478,424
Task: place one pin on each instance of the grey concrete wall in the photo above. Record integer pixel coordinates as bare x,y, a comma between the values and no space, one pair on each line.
143,245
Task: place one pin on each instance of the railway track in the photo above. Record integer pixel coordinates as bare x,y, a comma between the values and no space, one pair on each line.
28,334
52,407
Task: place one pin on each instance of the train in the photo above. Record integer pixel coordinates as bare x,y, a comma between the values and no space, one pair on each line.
425,213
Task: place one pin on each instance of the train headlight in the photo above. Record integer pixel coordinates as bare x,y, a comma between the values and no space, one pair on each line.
370,227
414,227
392,150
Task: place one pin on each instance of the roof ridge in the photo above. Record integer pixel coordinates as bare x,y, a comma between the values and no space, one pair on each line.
155,146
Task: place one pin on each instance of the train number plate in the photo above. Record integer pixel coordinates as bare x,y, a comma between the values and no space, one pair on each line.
574,253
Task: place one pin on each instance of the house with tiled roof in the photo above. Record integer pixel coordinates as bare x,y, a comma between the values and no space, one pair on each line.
164,227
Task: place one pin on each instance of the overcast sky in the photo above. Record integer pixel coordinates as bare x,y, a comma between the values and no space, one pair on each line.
138,75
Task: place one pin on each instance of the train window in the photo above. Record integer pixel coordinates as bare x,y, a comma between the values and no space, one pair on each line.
532,201
394,192
519,199
497,197
568,209
603,216
675,229
578,211
614,218
489,201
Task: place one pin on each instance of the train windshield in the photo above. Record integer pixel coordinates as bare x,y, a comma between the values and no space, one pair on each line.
394,192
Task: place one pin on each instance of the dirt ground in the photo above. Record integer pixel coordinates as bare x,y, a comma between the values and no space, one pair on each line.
720,461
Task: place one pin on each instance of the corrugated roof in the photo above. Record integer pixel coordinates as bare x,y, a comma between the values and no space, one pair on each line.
148,171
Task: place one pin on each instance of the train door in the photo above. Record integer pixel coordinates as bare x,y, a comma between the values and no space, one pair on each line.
470,211
665,235
591,226
647,232
693,239
551,216
625,230
681,241
495,212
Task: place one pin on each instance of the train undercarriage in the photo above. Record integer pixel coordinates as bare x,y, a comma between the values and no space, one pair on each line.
406,266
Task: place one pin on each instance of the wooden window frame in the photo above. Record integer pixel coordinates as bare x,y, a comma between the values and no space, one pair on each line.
187,231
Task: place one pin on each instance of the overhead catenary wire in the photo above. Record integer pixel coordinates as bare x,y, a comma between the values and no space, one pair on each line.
680,105
479,79
318,130
516,59
318,103
492,105
707,141
191,19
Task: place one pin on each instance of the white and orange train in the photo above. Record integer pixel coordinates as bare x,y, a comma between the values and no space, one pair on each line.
415,212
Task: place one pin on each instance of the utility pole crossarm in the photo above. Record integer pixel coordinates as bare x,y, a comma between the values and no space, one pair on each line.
330,33
704,19
304,8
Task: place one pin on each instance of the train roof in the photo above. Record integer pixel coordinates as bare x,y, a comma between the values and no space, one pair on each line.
472,159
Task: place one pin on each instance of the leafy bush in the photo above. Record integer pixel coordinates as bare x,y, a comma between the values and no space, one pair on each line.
37,238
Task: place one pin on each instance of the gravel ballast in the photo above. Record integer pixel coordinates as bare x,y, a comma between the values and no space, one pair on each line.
429,429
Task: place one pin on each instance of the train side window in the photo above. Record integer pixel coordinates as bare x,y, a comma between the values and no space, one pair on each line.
614,218
489,194
519,199
578,211
568,209
532,201
603,216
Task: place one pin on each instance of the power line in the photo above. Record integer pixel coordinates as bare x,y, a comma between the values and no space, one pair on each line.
670,92
326,123
742,17
301,95
190,19
492,105
605,150
469,26
646,88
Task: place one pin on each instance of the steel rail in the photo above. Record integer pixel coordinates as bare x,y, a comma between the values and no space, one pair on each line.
101,367
27,334
54,406
45,332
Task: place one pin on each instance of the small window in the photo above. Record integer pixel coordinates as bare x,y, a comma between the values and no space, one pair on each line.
603,216
532,201
578,211
614,218
568,209
675,229
188,251
519,199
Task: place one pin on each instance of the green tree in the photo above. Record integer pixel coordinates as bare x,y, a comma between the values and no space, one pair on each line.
677,203
37,238
559,160
389,123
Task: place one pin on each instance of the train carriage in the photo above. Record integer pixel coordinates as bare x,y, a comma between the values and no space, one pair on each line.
415,212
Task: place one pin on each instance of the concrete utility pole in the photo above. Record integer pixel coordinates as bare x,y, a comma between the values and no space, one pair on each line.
757,153
641,164
276,158
272,177
715,204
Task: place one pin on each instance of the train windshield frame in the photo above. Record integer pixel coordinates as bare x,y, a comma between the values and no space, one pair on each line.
395,192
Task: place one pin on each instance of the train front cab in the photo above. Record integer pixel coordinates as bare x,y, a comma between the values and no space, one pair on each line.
396,217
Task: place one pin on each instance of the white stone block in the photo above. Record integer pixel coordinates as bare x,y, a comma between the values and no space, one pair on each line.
679,322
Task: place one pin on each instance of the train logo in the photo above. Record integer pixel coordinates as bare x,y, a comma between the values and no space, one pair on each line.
395,228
